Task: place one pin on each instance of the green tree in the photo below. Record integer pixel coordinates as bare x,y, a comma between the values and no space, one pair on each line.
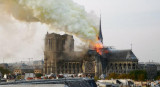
138,75
38,75
4,71
113,75
158,75
96,78
122,76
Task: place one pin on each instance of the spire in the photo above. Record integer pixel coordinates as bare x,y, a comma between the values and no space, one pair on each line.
100,37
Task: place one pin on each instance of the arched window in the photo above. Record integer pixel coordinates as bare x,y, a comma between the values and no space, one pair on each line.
134,66
129,66
73,67
78,67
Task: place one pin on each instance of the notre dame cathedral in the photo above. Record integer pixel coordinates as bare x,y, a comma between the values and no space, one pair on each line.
60,58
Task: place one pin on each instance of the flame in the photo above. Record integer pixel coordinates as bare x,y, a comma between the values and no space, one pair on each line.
98,48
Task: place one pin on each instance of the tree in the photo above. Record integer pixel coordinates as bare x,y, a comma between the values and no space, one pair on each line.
158,75
96,78
138,75
38,75
4,71
122,76
112,75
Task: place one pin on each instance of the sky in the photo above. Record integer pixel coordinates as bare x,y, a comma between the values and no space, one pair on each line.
124,22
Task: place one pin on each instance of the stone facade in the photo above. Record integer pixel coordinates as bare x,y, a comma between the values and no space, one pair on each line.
121,61
60,57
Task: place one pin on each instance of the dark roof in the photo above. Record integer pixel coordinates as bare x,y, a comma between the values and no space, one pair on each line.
121,54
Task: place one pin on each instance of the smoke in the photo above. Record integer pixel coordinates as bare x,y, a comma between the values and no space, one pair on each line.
78,50
67,45
62,15
19,39
23,21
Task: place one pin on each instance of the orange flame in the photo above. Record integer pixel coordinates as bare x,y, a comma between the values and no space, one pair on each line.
98,48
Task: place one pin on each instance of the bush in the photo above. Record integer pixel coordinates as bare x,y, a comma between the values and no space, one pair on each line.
38,75
4,71
96,78
138,75
112,76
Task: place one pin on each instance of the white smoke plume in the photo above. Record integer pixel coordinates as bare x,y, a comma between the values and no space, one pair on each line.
19,39
62,15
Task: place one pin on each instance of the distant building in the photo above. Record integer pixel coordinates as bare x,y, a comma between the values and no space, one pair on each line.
4,65
151,69
17,71
37,71
22,71
38,64
23,68
158,67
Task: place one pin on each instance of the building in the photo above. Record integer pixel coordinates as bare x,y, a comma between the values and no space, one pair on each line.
151,69
4,65
60,57
36,71
22,71
38,64
23,68
121,61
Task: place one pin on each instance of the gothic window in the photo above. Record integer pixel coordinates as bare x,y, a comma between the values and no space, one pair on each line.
65,65
74,67
120,66
116,66
69,67
124,65
78,67
133,66
129,66
49,43
89,67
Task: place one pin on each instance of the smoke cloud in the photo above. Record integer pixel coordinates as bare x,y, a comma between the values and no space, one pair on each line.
19,39
62,15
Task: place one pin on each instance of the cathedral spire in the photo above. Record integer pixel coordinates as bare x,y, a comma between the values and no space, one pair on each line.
100,37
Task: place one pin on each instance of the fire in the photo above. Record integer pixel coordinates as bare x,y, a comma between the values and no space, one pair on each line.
98,48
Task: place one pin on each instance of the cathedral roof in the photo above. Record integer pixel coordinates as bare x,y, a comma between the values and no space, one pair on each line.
121,54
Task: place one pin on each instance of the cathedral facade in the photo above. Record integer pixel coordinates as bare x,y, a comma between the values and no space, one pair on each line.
60,58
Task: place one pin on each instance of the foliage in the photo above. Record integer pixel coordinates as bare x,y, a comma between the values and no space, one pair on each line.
158,78
123,76
138,75
18,77
96,78
158,75
38,75
4,71
112,76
